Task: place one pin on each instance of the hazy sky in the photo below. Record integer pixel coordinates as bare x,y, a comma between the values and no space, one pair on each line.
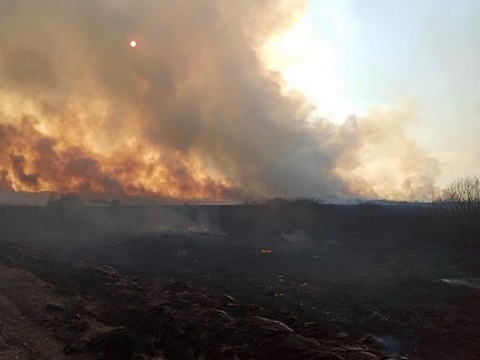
207,105
383,53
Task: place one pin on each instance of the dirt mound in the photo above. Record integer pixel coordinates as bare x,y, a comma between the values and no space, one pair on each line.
94,312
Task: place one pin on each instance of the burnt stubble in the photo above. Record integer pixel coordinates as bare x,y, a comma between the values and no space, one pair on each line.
224,281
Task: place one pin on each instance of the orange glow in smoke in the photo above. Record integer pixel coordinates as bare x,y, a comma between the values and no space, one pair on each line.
46,153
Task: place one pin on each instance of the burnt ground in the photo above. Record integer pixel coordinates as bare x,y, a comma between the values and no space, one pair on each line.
52,309
353,290
393,294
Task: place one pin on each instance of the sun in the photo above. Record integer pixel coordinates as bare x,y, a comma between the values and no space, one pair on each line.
133,43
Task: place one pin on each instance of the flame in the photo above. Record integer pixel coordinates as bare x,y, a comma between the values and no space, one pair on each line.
46,153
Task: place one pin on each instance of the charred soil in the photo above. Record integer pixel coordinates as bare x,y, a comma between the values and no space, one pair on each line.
237,283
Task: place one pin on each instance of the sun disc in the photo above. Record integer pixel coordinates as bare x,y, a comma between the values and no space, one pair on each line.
133,43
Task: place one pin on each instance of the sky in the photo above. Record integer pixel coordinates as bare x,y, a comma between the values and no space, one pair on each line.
230,101
373,53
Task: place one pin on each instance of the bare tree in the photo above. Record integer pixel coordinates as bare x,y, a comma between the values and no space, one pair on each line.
458,208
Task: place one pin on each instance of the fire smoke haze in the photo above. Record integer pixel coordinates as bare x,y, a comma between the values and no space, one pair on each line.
192,112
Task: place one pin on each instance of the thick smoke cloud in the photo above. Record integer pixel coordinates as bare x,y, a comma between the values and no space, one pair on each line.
191,113
377,157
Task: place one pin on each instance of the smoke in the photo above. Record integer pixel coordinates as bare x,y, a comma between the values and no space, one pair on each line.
377,157
190,113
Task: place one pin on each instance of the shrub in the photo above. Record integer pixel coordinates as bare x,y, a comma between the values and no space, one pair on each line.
457,212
